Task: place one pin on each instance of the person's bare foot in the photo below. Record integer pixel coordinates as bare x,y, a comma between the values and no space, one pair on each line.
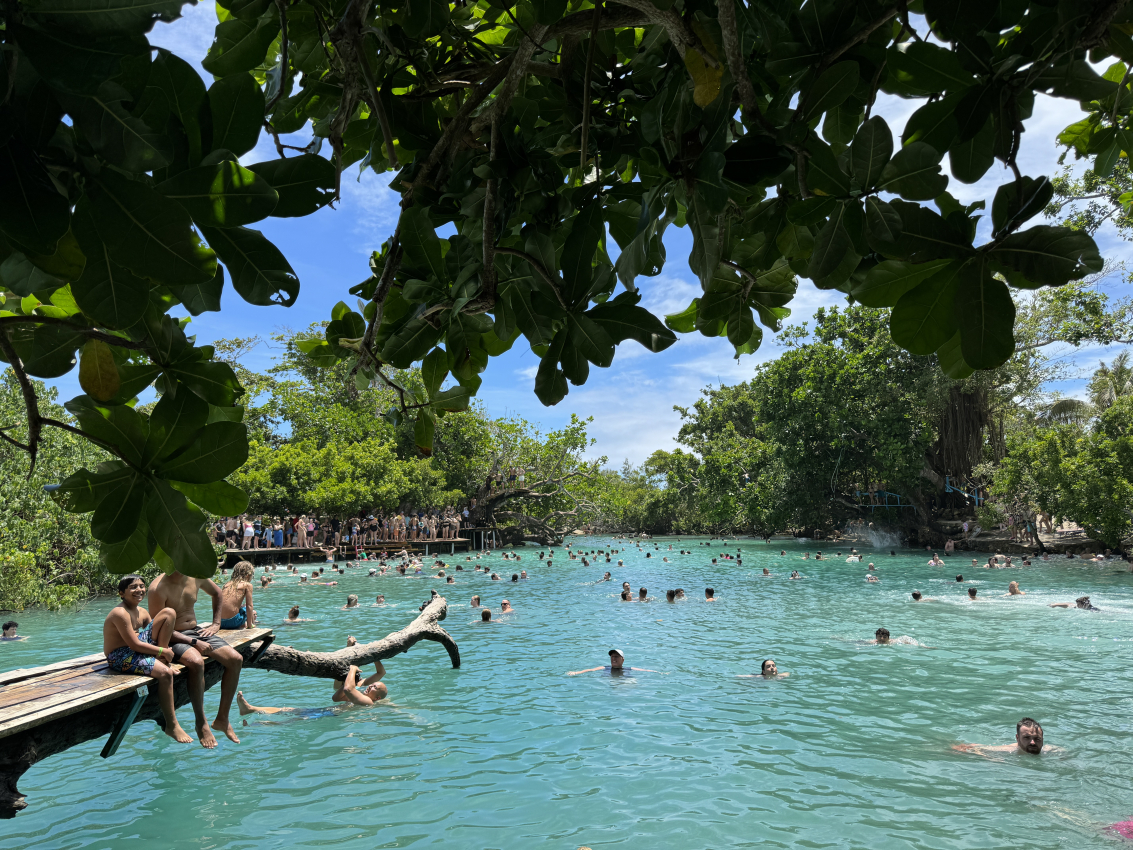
242,704
178,734
226,727
208,740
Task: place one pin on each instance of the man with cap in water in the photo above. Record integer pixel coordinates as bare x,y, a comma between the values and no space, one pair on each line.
616,668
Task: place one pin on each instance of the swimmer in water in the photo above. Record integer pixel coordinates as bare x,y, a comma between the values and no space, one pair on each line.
1013,590
364,693
381,600
606,577
709,594
766,571
351,602
795,574
616,668
873,579
475,601
972,595
1082,603
880,637
1028,740
505,607
767,670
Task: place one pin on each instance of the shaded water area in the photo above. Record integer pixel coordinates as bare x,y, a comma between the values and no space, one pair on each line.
852,750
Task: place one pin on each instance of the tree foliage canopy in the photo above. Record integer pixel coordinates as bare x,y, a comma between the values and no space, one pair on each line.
534,132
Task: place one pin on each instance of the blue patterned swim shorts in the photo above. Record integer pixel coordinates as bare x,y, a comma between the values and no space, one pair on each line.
125,660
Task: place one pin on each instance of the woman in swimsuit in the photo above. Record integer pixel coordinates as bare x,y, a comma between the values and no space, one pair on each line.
236,609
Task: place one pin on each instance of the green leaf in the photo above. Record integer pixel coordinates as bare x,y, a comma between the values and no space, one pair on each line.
117,424
883,225
217,497
423,431
32,214
685,321
83,491
200,298
970,160
221,195
98,17
174,422
116,517
219,450
425,18
933,124
923,318
985,315
832,87
914,173
870,152
260,272
927,236
184,94
213,381
886,282
622,319
434,368
1047,255
178,529
241,45
237,106
452,399
124,140
134,378
951,359
410,343
420,245
590,340
66,263
145,232
550,381
823,174
107,292
131,554
549,11
755,158
47,351
75,62
578,252
98,373
927,67
21,276
305,183
1015,204
833,258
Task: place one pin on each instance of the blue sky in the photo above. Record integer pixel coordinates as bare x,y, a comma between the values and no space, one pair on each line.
632,401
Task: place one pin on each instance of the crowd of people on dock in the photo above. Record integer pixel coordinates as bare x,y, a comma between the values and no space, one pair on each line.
248,532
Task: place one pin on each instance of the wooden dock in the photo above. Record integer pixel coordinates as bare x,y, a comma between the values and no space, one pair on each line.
44,710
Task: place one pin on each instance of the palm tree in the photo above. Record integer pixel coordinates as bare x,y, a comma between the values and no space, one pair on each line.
1111,382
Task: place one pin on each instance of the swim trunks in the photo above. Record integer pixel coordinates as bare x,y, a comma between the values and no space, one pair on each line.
236,621
125,660
213,641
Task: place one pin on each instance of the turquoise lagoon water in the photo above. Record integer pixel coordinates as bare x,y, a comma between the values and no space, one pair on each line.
853,750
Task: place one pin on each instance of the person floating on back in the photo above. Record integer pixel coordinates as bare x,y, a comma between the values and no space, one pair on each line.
136,643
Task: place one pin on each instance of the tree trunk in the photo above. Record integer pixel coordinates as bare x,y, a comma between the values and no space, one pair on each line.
334,665
20,751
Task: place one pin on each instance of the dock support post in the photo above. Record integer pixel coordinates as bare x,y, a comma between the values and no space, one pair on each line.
118,730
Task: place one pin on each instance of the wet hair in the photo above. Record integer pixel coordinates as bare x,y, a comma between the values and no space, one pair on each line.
763,666
670,595
642,591
959,578
353,597
916,594
515,576
972,592
485,615
243,571
881,633
709,592
126,581
11,624
1082,601
626,596
1027,721
294,610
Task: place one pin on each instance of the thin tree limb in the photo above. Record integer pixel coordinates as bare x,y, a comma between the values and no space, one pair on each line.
586,96
283,59
729,33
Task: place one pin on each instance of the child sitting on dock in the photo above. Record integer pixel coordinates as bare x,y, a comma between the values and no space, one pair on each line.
236,610
136,643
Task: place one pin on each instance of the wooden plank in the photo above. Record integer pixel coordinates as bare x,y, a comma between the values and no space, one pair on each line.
26,706
25,672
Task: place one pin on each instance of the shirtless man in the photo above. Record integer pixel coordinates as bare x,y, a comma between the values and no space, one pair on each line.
1013,590
1082,602
1028,739
616,668
179,592
347,690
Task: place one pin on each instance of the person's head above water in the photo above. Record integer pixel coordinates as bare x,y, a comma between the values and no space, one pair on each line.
917,595
709,593
616,659
642,593
293,613
959,578
768,667
971,593
627,596
670,596
766,571
1029,736
1083,602
486,615
352,601
881,635
475,601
